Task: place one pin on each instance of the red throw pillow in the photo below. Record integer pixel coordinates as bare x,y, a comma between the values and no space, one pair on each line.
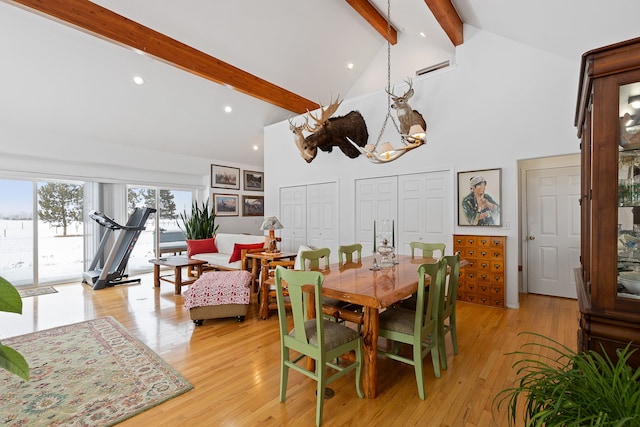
238,247
201,246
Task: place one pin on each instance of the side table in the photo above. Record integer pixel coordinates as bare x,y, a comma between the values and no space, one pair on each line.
177,263
264,258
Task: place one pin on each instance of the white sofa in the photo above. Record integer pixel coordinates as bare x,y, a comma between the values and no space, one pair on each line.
225,244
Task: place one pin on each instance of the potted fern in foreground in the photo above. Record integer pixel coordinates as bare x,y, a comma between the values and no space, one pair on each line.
11,302
559,387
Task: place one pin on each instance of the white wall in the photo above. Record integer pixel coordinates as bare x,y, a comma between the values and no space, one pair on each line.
502,102
34,152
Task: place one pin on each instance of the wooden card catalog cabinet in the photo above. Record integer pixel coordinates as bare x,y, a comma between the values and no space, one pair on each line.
482,281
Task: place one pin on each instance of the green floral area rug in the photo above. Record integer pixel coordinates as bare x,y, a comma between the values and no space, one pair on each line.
92,373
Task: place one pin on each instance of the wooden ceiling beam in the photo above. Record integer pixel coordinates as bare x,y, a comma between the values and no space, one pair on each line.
110,26
375,19
448,18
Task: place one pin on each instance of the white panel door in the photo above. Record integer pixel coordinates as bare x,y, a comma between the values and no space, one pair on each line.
322,217
376,199
293,216
553,224
425,210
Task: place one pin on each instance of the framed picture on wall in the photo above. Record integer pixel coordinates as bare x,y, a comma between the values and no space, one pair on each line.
225,177
225,204
479,198
253,181
252,205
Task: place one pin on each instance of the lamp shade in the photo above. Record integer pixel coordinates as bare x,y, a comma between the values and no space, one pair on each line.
386,148
271,223
417,132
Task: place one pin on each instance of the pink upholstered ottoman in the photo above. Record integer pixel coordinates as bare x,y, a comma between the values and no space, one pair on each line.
218,294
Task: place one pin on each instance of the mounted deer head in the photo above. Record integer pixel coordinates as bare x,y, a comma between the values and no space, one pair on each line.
406,115
307,153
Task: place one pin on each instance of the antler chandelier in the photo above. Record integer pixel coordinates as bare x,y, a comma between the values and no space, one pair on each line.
412,125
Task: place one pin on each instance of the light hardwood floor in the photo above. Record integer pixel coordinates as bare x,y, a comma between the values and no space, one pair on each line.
234,367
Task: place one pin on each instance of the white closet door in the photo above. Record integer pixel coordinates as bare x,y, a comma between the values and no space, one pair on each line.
293,216
376,199
322,217
425,210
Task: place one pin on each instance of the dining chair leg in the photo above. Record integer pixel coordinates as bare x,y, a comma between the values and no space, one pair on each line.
320,393
442,349
418,366
435,358
360,361
284,376
454,333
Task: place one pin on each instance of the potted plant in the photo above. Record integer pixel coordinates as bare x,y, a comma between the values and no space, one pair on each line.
199,228
11,360
559,387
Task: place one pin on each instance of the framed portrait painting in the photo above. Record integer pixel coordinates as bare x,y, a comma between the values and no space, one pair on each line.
253,205
225,204
479,198
253,181
225,177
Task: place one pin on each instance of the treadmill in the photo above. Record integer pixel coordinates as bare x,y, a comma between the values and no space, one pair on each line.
112,272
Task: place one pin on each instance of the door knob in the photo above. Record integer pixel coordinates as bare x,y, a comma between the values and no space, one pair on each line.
532,237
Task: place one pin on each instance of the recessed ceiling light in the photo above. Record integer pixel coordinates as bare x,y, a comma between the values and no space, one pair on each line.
228,109
423,34
255,148
138,80
350,66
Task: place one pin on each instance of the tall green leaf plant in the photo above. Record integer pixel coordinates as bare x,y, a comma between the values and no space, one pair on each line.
200,223
11,360
559,387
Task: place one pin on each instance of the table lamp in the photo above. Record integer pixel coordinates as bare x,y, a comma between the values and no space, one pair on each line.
272,223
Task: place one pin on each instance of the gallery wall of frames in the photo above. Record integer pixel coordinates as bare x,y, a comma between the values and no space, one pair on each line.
232,203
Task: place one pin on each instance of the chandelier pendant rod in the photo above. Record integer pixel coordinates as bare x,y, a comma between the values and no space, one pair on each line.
384,123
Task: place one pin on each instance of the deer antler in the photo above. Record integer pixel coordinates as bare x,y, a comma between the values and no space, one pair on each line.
298,129
408,94
325,114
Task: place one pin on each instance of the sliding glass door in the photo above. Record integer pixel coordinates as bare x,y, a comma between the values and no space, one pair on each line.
16,231
60,234
41,232
169,204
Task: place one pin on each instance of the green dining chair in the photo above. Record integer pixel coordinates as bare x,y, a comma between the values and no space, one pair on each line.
447,322
345,253
417,328
318,338
427,249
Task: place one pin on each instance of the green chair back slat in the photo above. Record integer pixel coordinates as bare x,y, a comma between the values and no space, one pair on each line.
314,257
427,249
345,252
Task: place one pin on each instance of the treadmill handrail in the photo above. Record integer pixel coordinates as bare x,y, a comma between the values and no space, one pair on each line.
104,220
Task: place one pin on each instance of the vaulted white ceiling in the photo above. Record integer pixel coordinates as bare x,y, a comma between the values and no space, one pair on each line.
62,80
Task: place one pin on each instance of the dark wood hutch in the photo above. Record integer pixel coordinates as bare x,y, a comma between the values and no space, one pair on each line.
608,282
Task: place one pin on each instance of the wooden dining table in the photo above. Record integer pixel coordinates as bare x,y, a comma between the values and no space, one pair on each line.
375,290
